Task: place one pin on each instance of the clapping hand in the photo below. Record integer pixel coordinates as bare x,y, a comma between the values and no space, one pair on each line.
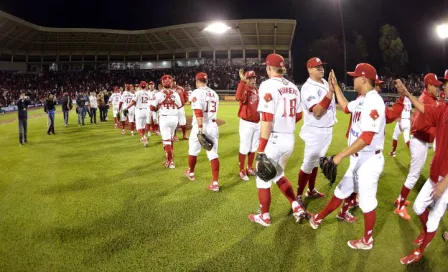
402,90
242,77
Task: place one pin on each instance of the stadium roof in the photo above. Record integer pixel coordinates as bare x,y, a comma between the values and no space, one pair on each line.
20,37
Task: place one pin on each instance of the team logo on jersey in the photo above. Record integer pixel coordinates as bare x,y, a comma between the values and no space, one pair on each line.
194,99
267,97
311,98
374,114
285,81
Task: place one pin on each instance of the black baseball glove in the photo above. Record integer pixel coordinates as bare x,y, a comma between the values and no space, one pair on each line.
329,168
265,168
205,141
125,112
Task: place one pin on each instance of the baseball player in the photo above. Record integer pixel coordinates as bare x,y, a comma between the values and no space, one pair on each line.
403,125
393,113
154,127
319,107
247,95
167,103
182,119
279,106
115,99
366,142
204,103
423,135
434,192
126,99
141,103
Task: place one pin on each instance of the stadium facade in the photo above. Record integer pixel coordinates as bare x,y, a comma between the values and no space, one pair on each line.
29,47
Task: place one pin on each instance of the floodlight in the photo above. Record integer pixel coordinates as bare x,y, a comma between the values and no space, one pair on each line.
442,31
217,28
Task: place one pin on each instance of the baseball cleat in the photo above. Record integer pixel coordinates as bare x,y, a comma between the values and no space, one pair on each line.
397,202
299,213
171,165
360,244
313,222
415,256
393,154
403,213
185,138
149,133
189,175
353,204
314,194
122,132
175,139
250,171
420,238
132,133
243,175
347,217
256,218
213,187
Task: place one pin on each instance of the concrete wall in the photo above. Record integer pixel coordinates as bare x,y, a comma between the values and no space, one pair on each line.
12,66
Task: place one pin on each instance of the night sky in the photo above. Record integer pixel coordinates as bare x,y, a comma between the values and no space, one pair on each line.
414,19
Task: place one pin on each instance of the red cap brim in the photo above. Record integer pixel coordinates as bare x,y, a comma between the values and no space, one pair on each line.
443,79
352,74
438,83
322,64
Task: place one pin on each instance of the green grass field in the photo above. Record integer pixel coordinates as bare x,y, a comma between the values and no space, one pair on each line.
90,199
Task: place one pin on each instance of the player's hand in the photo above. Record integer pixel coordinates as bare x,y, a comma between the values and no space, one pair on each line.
337,159
332,78
402,90
242,77
439,190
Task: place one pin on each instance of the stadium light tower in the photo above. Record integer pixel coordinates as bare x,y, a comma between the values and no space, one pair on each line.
442,31
344,42
217,28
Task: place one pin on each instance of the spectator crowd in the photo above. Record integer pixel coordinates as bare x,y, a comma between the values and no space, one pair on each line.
39,85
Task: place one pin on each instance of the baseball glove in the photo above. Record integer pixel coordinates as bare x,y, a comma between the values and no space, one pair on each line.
205,141
264,168
329,168
118,116
125,112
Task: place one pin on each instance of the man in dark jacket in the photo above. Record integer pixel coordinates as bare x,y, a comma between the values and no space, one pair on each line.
22,107
80,103
49,108
67,105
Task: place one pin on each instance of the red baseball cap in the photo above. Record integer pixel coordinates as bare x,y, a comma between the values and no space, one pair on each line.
275,60
201,76
378,81
314,62
142,84
250,74
445,77
364,69
431,79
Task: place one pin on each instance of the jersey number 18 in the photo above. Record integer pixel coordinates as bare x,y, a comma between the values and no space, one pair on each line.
292,107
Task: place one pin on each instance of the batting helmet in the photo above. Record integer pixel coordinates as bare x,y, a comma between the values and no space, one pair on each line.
167,81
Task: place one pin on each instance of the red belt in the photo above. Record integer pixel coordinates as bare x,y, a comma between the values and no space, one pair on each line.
250,121
376,153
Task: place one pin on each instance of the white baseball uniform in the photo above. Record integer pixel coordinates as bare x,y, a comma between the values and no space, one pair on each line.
438,206
280,97
126,99
368,115
153,114
168,103
141,99
316,132
404,126
115,99
207,100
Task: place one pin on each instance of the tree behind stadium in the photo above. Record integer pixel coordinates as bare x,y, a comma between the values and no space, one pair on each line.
395,56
